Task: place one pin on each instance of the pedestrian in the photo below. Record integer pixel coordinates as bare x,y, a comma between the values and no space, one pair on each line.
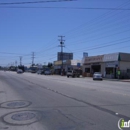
118,73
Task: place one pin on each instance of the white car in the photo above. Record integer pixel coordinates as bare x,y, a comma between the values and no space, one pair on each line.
97,75
19,71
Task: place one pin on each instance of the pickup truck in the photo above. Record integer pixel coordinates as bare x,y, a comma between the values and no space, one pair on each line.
73,74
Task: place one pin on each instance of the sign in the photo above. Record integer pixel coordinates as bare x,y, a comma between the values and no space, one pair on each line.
78,64
94,59
57,62
75,62
111,57
112,64
85,54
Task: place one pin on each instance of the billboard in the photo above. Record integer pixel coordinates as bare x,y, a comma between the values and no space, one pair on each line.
85,54
64,56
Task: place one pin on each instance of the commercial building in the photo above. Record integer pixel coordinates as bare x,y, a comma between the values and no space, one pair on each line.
67,65
108,65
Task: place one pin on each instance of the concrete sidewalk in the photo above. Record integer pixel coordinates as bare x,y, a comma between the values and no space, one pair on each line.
120,80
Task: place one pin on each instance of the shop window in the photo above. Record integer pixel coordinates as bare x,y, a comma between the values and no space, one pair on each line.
87,70
109,71
128,70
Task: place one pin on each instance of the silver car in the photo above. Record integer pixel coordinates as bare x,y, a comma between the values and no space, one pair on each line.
47,72
97,75
19,71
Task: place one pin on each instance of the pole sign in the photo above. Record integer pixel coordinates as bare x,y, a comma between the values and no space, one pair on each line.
78,64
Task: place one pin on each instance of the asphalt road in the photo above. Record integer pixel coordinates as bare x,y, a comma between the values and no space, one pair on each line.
38,102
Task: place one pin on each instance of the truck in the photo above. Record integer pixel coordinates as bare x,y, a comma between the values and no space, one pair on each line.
73,73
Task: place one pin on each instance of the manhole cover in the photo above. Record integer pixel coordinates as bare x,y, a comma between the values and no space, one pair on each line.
22,117
15,104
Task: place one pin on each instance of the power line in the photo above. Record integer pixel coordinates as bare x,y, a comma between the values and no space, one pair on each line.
100,37
103,26
35,2
104,46
11,53
63,7
97,19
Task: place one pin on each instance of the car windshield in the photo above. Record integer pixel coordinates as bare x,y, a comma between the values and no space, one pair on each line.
97,73
64,64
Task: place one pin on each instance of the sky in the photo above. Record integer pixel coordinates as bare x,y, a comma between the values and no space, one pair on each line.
96,27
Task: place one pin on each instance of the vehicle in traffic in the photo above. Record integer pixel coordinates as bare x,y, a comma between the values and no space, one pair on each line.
19,71
33,69
97,76
47,72
40,72
73,73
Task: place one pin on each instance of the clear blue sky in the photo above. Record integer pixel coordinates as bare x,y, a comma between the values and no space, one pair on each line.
96,31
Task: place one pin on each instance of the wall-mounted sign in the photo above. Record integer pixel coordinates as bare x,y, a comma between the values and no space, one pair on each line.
112,64
111,57
93,59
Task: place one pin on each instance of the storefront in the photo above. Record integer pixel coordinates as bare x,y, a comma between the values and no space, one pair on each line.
67,65
92,64
108,64
111,65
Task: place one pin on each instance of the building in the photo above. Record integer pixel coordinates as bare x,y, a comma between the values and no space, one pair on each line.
67,65
108,65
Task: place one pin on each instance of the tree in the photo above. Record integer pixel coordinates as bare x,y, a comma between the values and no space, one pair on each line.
50,65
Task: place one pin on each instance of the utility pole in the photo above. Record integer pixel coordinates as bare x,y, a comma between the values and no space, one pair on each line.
20,60
32,58
61,45
16,63
44,65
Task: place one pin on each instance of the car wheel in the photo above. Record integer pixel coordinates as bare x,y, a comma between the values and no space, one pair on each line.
68,76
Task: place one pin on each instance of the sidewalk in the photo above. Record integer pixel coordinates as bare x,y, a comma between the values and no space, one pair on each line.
120,80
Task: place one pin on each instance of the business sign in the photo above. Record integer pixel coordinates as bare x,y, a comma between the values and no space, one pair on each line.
111,57
85,54
74,62
78,64
64,56
112,64
57,62
93,59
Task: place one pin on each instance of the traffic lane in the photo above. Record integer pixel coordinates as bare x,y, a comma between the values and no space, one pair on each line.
63,115
113,86
92,94
8,98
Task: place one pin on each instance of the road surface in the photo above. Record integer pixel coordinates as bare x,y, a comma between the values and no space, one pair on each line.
37,102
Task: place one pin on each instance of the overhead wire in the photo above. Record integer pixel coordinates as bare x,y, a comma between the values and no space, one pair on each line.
104,46
63,7
103,43
108,25
95,19
34,2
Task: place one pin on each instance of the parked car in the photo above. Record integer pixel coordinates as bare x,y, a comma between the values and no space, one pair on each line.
73,73
97,76
19,71
40,72
47,72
